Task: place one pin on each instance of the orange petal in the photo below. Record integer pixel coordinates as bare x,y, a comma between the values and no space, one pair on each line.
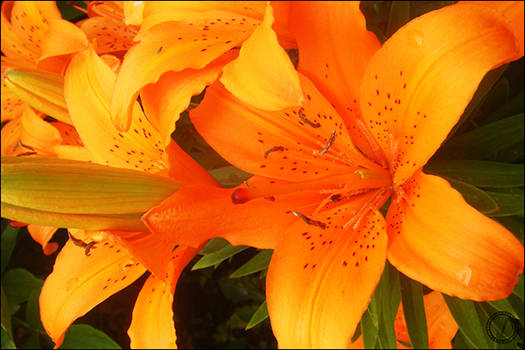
195,44
63,38
418,84
12,105
196,213
152,323
286,145
263,75
164,101
439,240
87,88
320,281
110,35
184,168
511,10
81,281
42,235
133,12
334,51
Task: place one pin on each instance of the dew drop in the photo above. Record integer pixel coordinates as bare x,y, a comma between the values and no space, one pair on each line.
415,38
464,275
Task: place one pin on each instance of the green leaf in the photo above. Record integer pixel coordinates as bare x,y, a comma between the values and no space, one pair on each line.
7,343
414,310
218,257
258,263
514,224
83,336
18,284
230,176
488,202
368,328
33,310
468,320
479,173
73,187
8,244
499,141
260,315
503,305
387,296
214,245
398,17
6,321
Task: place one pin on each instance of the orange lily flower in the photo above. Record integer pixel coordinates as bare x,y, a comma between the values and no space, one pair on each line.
315,196
110,261
441,325
166,69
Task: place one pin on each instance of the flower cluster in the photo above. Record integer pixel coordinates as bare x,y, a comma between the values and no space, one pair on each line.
330,142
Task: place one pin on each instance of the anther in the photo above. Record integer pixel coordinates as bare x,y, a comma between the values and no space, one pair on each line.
237,198
308,121
309,221
328,144
273,149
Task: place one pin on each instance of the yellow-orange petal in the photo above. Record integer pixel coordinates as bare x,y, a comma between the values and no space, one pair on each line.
334,50
12,105
110,35
164,101
87,88
37,133
420,81
81,281
10,138
320,281
263,75
152,321
63,38
133,12
196,213
195,45
42,235
436,238
295,144
25,26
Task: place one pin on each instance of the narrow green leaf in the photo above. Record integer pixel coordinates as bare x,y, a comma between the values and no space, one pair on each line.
398,17
508,203
503,305
468,320
218,257
387,307
214,245
7,343
8,244
18,284
518,288
500,327
500,141
258,263
477,198
230,176
260,315
33,310
73,187
414,310
514,224
479,173
83,336
460,342
124,222
6,319
368,329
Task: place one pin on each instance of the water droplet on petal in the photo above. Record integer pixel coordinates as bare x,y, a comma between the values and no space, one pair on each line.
464,275
70,284
415,38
